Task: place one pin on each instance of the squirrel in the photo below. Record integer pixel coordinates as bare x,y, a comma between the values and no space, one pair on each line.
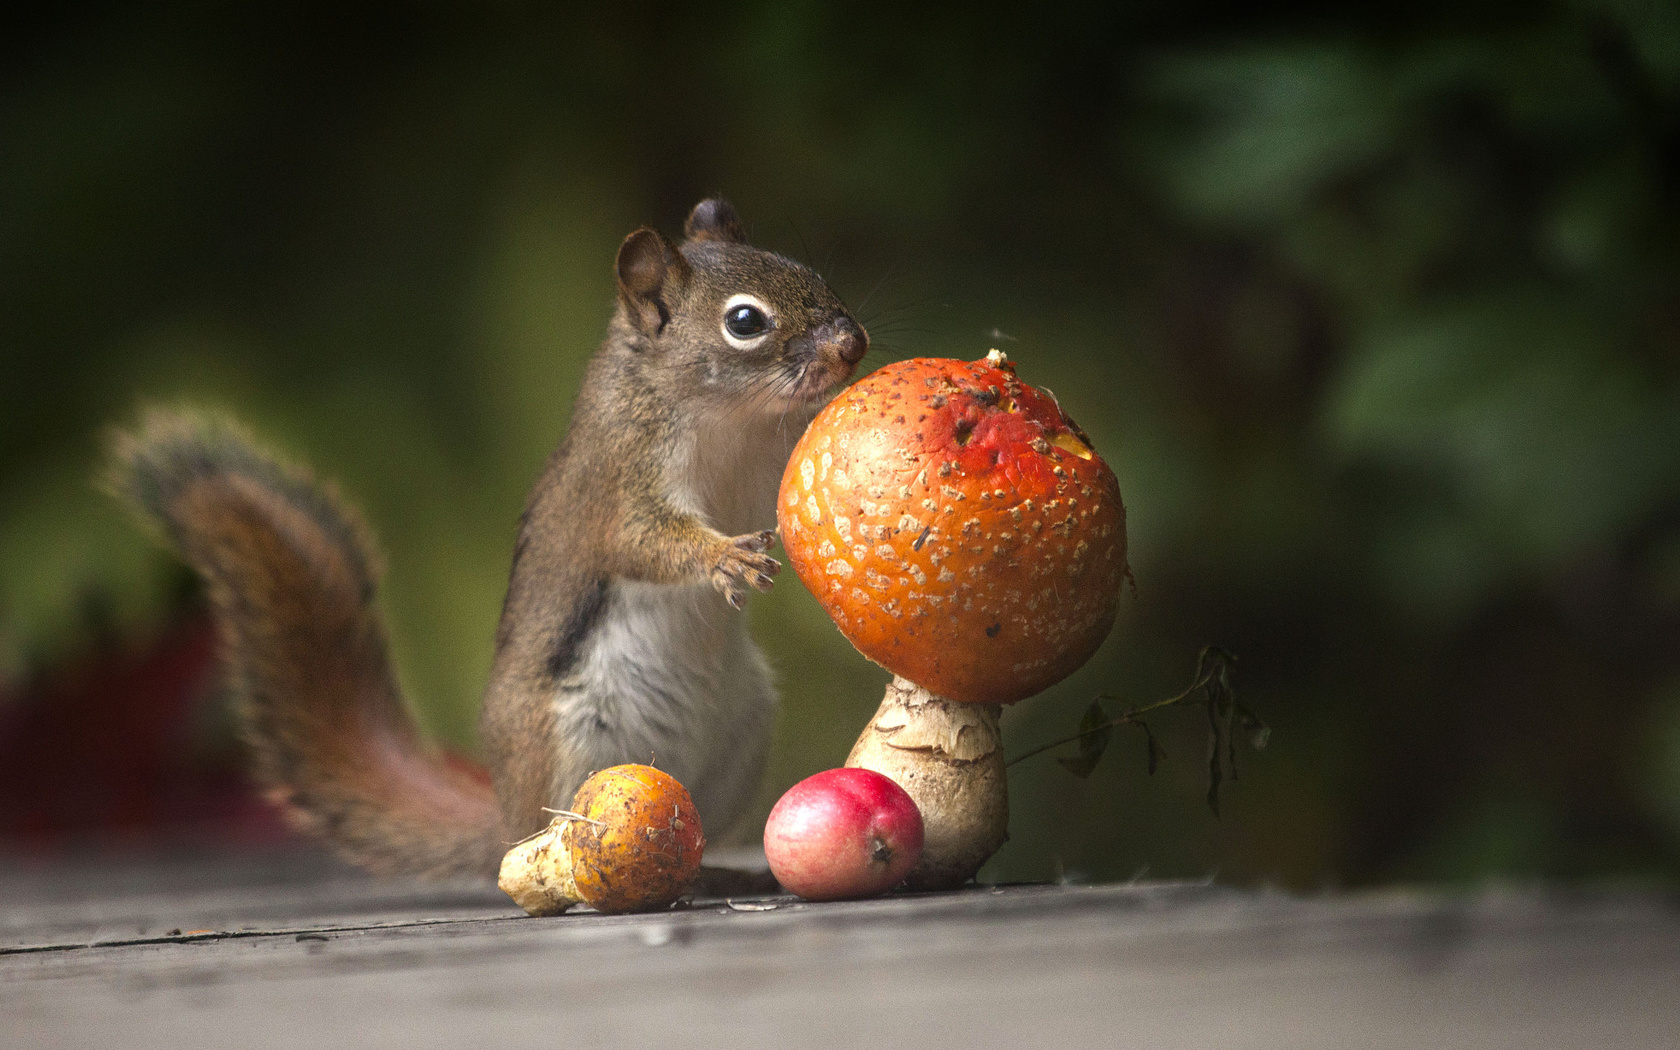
619,638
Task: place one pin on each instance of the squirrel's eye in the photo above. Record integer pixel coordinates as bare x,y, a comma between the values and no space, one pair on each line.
745,322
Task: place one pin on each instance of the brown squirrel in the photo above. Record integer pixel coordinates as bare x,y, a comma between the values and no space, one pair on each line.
616,641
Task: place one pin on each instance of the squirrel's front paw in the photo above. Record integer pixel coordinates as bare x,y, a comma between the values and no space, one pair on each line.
743,564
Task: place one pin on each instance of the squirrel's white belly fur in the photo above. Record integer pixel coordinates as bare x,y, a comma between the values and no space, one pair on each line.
669,675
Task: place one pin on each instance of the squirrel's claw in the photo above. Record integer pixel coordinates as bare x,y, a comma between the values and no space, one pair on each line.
757,542
744,564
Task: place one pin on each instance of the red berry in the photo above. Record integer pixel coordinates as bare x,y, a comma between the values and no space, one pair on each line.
843,833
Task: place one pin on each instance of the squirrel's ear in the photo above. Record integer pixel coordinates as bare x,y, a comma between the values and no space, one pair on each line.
714,219
649,268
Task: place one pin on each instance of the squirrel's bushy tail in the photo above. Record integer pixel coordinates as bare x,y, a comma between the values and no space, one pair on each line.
291,576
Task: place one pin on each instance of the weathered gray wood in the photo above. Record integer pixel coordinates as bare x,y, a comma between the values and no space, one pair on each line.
308,954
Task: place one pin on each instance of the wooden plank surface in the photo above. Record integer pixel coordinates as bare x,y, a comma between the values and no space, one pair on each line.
291,950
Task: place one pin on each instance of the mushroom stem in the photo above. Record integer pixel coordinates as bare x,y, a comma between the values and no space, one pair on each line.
949,757
537,871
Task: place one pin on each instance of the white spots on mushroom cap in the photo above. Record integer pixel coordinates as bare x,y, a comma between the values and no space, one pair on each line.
839,567
812,511
1023,666
807,472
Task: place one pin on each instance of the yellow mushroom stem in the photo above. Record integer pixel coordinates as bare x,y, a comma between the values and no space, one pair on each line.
949,757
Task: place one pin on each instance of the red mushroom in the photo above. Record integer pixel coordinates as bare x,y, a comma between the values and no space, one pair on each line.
962,533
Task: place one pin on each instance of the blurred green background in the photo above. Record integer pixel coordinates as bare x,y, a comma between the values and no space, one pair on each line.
1374,309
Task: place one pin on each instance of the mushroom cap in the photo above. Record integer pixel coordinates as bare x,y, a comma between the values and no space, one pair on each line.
958,527
639,842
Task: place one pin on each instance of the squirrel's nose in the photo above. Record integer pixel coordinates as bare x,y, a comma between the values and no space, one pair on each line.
848,339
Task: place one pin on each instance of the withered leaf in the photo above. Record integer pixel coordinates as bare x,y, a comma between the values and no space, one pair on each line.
1156,751
1216,754
1095,731
1259,733
1080,766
